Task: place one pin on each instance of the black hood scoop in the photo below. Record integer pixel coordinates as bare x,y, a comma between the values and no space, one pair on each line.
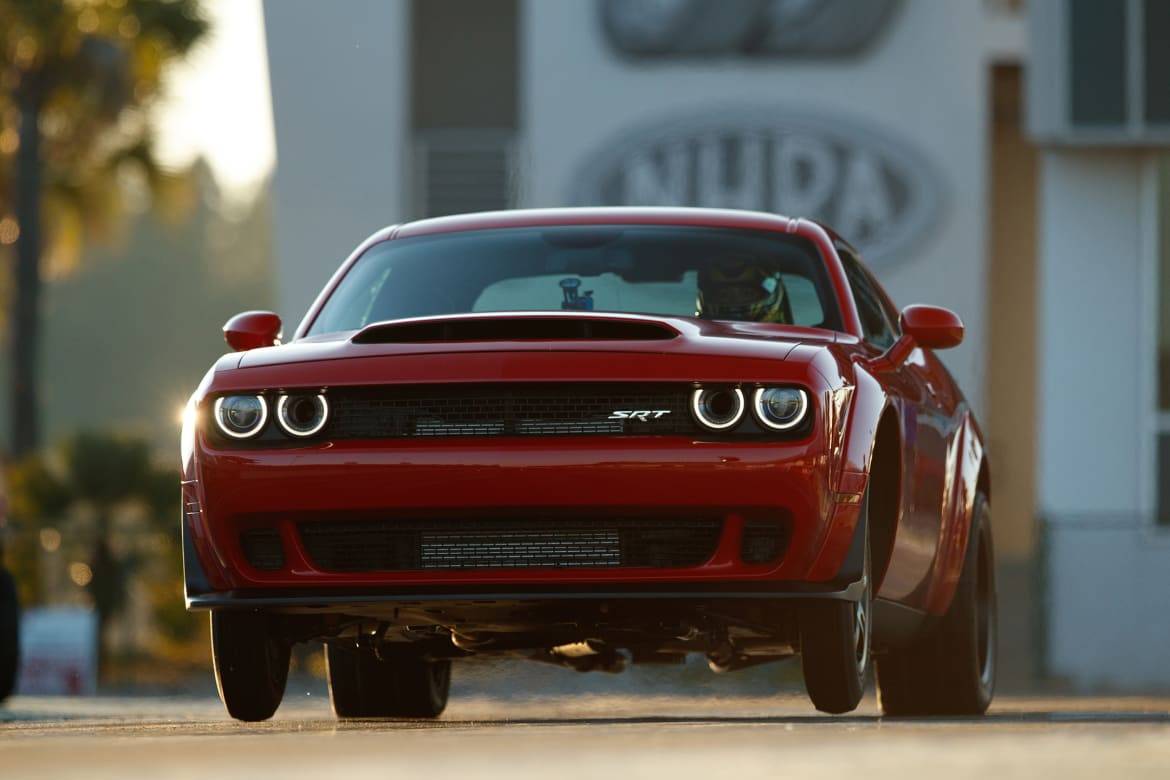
527,328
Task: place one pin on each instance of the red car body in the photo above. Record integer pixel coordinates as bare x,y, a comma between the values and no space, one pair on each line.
898,404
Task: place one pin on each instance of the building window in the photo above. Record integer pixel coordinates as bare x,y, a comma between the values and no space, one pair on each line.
1099,72
465,102
1157,65
1097,60
1162,450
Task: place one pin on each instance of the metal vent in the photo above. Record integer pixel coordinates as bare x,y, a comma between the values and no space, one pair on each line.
410,545
458,171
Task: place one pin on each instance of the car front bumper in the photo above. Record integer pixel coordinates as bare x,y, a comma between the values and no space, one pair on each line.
233,489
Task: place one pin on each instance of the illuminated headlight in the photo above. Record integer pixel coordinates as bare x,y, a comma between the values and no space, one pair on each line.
717,408
302,415
780,408
241,416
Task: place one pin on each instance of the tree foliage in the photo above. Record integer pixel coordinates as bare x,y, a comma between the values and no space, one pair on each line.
96,68
77,80
111,505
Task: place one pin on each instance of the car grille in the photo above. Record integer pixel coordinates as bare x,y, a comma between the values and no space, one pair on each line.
508,410
408,545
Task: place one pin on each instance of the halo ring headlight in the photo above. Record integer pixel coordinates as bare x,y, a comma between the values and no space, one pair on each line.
240,416
302,415
719,408
779,408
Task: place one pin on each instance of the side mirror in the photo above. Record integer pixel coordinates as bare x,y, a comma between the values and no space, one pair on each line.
252,329
932,327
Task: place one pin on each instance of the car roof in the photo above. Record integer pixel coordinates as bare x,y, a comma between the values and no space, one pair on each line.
598,216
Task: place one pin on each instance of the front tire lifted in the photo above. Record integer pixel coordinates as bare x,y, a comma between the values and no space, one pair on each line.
251,663
835,642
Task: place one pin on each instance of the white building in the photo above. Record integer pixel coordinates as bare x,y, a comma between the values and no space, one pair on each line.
897,121
1100,108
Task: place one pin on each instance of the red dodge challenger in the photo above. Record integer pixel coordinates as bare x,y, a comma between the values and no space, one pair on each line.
593,437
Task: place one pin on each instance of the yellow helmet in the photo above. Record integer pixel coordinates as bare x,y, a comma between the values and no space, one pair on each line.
741,291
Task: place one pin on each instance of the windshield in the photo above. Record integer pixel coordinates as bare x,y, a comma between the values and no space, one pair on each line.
712,273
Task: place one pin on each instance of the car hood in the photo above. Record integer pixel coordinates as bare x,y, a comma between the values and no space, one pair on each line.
545,332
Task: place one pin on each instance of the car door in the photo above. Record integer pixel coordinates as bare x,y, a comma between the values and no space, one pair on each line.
924,437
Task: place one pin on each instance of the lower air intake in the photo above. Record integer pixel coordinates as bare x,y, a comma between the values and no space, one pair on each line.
764,541
404,545
263,549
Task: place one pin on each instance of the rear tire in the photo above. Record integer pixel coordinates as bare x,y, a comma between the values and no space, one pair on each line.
951,669
9,634
835,644
397,683
251,664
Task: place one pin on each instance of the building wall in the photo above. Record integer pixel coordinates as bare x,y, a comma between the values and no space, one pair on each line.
1090,328
922,82
1106,562
340,98
1106,609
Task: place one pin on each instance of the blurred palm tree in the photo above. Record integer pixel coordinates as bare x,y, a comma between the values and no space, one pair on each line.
77,78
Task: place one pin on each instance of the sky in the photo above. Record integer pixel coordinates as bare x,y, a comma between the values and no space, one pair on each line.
217,102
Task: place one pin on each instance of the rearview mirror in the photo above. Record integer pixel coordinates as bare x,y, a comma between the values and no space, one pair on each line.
932,327
252,329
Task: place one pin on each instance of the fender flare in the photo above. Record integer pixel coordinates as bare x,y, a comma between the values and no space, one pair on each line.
956,525
853,430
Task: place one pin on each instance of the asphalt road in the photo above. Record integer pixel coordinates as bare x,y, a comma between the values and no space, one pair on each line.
584,736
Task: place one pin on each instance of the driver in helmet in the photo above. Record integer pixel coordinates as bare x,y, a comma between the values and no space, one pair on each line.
742,291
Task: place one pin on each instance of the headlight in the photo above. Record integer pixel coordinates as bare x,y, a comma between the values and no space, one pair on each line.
241,416
303,414
780,408
717,408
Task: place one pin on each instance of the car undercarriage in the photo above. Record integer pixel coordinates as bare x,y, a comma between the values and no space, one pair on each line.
586,635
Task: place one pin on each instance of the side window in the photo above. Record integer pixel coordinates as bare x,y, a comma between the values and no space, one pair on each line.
875,325
893,316
803,300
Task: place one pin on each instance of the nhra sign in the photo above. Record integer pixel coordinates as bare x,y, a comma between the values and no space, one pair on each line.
877,194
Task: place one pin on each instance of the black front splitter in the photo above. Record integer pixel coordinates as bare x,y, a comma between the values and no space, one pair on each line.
337,600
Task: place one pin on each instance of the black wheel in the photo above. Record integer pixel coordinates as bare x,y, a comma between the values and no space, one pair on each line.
835,644
951,669
9,634
395,683
251,664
